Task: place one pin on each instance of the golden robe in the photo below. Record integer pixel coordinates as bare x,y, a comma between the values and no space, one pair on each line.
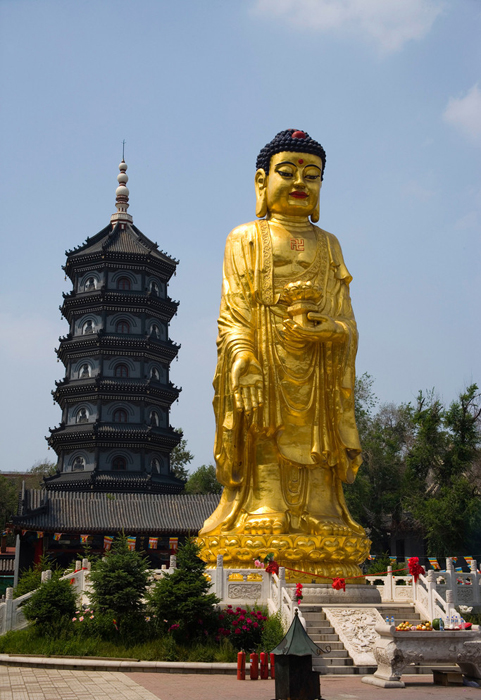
308,409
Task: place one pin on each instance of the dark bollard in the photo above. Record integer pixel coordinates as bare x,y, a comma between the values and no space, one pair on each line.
254,670
241,666
273,665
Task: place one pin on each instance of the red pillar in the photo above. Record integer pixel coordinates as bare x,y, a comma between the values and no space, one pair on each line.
264,666
273,665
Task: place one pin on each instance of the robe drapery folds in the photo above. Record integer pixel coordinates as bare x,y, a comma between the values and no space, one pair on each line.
308,387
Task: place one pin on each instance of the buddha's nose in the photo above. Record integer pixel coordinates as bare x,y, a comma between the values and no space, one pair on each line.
299,180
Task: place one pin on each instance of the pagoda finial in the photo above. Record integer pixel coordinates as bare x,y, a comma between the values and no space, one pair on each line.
122,194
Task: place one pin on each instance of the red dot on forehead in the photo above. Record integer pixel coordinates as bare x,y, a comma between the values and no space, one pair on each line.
301,161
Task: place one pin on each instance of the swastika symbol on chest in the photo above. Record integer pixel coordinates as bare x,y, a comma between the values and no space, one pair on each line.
297,244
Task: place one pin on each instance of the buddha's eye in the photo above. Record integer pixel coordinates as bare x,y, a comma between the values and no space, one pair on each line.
312,177
285,173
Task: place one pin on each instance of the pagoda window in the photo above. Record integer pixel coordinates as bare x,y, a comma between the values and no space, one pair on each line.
154,419
123,283
120,416
82,416
88,327
154,289
154,331
90,284
155,465
119,464
121,371
78,464
122,327
84,371
154,374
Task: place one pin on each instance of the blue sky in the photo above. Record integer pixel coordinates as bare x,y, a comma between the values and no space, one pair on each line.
391,88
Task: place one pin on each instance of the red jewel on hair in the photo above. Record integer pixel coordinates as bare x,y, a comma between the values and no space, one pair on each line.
298,135
300,161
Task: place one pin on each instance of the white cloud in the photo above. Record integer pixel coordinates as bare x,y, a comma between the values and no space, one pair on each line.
389,24
464,113
415,190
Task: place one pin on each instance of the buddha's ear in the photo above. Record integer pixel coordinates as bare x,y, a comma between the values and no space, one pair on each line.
317,211
261,193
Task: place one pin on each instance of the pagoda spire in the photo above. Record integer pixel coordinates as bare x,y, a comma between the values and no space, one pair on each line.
122,197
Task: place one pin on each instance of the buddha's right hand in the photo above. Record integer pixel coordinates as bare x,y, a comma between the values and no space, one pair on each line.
247,382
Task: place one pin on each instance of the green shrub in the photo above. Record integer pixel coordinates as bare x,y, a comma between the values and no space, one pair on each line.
31,578
52,605
119,581
180,602
272,633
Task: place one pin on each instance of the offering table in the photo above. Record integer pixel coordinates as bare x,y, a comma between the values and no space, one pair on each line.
394,650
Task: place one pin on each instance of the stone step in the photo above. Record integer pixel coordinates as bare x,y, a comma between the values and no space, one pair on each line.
334,661
314,615
324,638
336,654
333,645
318,629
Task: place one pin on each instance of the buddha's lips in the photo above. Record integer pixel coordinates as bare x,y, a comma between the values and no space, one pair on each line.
299,195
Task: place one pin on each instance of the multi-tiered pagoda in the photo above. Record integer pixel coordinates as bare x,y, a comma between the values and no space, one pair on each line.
116,395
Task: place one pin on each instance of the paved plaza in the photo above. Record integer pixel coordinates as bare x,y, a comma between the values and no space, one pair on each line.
53,684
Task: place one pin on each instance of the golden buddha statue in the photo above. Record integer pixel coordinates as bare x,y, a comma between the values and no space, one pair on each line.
286,437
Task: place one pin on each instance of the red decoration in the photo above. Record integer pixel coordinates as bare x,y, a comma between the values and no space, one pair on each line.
298,135
339,584
300,161
415,569
272,567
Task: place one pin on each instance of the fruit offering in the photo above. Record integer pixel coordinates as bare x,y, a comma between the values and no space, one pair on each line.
404,627
426,625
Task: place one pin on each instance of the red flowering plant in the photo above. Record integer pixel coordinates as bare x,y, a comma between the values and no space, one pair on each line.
298,594
242,626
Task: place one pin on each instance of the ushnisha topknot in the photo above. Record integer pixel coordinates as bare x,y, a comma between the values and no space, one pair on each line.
290,140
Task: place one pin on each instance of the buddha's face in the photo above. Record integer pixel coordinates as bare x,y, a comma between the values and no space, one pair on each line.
293,184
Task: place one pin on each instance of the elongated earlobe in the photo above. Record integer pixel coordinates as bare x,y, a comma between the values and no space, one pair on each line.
316,213
261,204
261,194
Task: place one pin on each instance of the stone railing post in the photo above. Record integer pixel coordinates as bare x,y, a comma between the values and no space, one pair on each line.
173,562
451,582
219,577
9,607
449,603
282,584
431,585
45,576
86,564
475,581
78,565
389,585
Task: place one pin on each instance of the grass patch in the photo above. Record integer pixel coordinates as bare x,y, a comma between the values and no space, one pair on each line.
31,641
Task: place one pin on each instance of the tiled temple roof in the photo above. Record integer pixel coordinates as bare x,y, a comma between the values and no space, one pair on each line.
100,512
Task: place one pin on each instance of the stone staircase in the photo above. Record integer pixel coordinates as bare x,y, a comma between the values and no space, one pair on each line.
338,661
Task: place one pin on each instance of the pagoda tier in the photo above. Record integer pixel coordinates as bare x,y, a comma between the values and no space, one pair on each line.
116,394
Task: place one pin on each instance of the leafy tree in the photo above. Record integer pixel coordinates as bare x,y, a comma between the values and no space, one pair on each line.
119,581
203,480
181,601
443,488
52,605
180,458
8,500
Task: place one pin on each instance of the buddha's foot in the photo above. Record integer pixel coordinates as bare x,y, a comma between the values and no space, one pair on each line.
271,523
319,525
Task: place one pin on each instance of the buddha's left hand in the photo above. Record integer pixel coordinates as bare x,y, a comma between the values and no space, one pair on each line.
325,330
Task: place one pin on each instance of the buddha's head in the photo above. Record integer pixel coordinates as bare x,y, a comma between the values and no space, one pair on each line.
289,175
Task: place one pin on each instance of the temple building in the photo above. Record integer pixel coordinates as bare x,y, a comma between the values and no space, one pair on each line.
114,440
116,394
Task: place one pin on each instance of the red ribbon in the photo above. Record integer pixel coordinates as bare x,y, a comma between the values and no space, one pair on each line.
339,584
